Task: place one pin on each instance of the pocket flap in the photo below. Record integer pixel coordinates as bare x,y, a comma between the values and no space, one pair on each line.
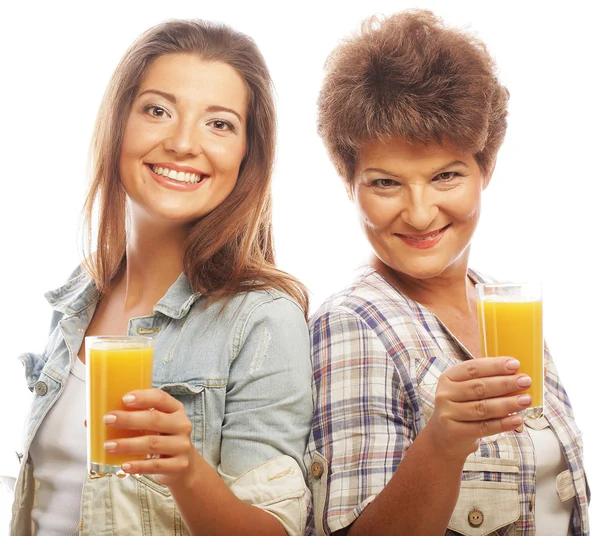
564,486
181,388
484,507
493,465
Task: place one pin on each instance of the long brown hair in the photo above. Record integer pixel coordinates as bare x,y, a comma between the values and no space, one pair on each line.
230,249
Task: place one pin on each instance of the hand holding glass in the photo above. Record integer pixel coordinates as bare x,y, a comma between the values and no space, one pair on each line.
115,366
510,324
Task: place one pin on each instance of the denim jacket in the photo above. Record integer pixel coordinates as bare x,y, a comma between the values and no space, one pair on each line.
243,374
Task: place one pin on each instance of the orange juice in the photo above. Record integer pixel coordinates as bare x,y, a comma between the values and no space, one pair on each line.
514,329
112,371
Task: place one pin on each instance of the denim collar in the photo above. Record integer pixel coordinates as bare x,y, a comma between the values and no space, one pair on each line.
80,291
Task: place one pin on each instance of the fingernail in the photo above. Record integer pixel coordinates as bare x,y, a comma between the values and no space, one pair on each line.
128,399
516,421
125,466
524,381
524,400
109,418
110,445
512,364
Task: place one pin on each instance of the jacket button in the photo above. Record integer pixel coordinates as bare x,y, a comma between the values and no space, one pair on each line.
41,388
316,469
475,517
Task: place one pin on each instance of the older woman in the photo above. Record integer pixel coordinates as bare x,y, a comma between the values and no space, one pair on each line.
412,433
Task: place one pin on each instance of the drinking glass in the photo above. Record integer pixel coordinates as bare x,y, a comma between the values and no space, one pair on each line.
510,324
115,366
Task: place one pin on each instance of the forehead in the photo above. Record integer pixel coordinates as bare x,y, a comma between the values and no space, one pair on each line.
193,80
404,152
400,153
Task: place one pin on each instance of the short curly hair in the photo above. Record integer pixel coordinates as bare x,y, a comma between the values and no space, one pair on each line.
410,76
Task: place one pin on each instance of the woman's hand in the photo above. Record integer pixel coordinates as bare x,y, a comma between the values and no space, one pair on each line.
168,438
475,399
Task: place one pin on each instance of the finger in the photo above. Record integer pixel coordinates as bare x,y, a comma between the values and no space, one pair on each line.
149,445
152,398
490,427
151,420
482,368
157,466
490,387
491,408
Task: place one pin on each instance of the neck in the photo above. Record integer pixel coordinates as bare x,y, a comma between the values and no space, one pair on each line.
154,262
453,289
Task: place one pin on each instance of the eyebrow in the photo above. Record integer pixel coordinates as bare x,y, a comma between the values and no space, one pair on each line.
173,99
434,172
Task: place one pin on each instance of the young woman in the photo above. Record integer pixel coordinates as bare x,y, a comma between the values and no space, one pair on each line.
182,157
412,433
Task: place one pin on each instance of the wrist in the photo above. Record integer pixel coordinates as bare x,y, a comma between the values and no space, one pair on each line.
189,478
439,451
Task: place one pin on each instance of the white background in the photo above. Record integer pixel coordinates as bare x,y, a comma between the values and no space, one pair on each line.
539,213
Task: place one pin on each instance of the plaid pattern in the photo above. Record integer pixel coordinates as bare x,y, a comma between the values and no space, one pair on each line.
377,359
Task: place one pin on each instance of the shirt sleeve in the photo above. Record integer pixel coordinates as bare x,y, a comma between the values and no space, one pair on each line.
268,411
363,423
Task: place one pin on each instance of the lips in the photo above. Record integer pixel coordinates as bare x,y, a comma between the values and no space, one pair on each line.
183,179
424,240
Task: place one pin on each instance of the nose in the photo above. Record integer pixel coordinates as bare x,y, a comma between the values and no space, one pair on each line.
420,209
184,139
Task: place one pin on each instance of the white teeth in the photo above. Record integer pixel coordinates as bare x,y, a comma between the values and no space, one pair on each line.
419,239
180,176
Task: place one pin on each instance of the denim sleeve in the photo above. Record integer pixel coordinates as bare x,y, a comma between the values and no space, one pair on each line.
268,405
268,412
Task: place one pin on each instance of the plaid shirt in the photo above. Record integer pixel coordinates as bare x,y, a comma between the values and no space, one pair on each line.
377,357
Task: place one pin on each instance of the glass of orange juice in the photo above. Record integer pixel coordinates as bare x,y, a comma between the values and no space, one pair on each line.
115,366
510,324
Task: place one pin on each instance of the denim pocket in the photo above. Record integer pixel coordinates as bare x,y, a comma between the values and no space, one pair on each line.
133,505
191,395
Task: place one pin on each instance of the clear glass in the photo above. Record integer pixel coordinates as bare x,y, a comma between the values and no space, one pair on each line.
115,366
510,324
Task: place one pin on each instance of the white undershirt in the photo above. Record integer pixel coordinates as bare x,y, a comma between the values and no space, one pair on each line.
552,516
59,456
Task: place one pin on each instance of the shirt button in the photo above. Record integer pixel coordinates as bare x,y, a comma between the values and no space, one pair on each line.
316,469
475,517
41,388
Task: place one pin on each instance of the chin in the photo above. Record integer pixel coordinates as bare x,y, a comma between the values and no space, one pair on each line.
426,270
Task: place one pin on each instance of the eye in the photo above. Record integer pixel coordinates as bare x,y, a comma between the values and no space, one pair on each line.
220,124
384,183
153,110
446,176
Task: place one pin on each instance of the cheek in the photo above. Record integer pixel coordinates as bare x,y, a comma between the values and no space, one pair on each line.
376,213
227,157
466,207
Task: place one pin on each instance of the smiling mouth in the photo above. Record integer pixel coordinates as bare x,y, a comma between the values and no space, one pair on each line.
426,237
179,176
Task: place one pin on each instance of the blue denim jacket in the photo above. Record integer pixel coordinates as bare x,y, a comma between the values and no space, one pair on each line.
243,374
